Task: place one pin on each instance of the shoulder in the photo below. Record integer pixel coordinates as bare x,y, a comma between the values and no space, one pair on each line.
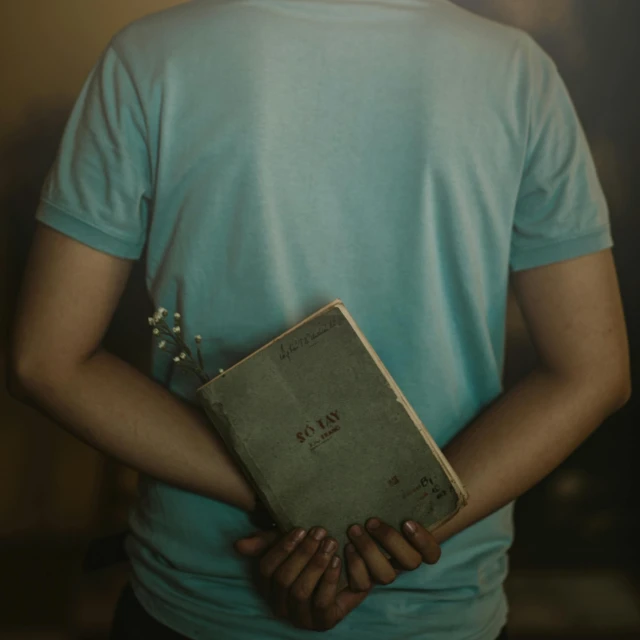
480,33
152,41
492,45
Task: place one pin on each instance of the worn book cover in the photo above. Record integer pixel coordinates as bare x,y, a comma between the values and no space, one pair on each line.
326,436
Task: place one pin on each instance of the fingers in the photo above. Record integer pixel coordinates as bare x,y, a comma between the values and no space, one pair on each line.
292,567
399,548
256,544
324,611
288,571
302,590
329,606
407,552
280,552
379,567
273,558
357,571
422,541
299,575
328,587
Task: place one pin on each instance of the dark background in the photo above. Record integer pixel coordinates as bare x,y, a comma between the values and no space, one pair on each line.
575,563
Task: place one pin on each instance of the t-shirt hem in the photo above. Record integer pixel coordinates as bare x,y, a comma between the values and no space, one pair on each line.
57,218
176,622
558,251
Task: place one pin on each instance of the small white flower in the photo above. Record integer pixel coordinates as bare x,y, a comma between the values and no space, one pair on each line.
164,312
162,344
156,332
176,316
152,322
183,356
176,329
220,370
198,339
176,359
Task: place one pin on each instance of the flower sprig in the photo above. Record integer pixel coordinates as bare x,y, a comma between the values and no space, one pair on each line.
173,342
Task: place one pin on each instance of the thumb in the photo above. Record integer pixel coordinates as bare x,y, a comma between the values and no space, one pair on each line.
257,543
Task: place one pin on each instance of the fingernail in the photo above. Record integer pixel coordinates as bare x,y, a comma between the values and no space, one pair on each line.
335,562
374,523
410,527
329,546
299,535
355,530
318,533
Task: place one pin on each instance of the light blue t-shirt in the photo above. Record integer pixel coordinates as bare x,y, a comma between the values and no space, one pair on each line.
273,155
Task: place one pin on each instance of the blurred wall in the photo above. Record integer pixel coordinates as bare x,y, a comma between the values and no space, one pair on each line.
56,492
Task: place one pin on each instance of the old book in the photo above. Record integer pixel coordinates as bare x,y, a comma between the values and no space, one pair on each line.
326,436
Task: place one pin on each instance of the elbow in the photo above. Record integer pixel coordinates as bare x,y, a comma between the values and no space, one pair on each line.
23,378
615,389
29,376
41,374
622,393
607,386
621,385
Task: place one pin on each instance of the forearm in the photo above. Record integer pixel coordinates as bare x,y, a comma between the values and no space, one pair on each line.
522,437
115,408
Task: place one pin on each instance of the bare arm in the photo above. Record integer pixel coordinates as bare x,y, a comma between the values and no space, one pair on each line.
575,317
69,296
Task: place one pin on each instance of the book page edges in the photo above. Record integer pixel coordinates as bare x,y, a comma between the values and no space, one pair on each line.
456,483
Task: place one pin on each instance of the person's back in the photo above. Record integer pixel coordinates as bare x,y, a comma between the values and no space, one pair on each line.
280,154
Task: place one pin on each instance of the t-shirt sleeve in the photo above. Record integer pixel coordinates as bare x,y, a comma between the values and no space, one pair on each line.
99,188
561,211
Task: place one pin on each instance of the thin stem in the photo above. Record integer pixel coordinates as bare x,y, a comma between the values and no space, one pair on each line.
177,341
200,359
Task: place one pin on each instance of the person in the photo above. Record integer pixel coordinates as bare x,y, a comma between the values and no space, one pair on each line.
269,156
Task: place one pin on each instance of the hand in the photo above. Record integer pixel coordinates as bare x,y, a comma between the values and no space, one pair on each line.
366,562
298,574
